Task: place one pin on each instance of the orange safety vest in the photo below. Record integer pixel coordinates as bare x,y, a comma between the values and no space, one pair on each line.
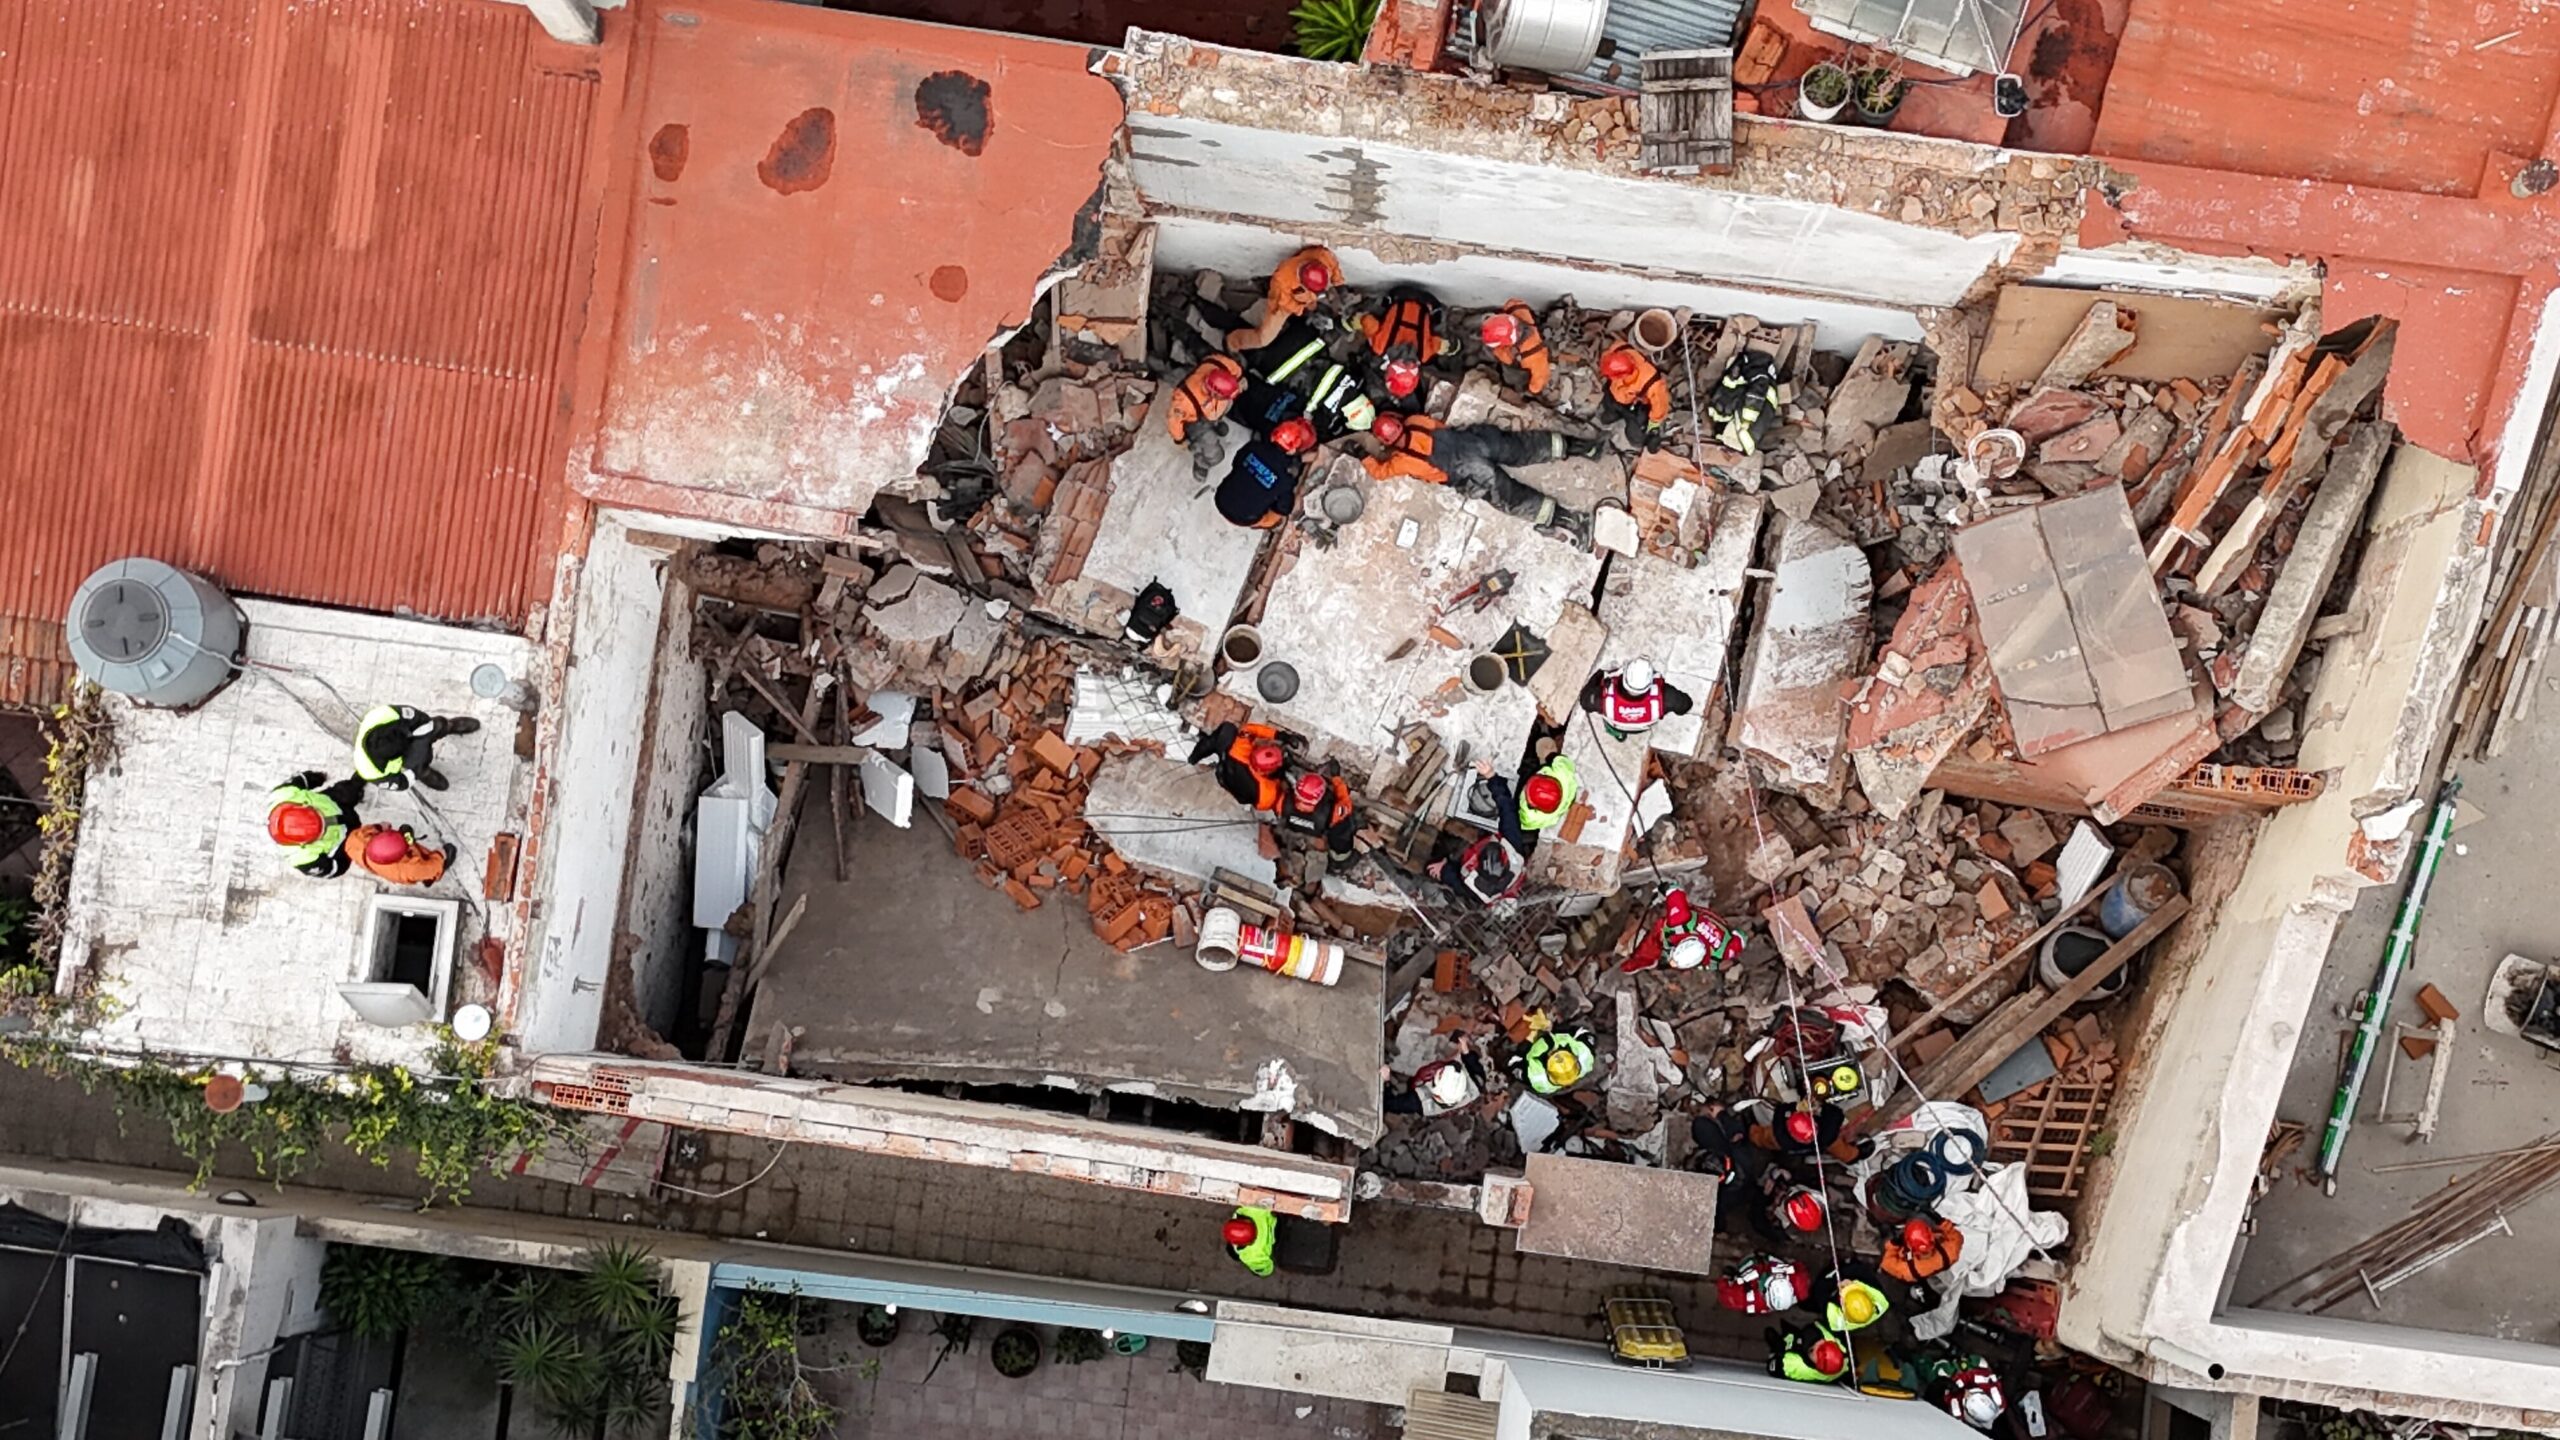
1289,297
1913,1266
1403,330
1529,352
1193,400
1267,790
1410,456
1644,386
418,867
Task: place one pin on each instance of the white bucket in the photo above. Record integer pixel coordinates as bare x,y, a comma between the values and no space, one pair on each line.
1221,931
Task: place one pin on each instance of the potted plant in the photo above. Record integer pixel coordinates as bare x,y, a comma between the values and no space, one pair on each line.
1078,1346
955,1332
1877,91
1016,1353
876,1325
1823,92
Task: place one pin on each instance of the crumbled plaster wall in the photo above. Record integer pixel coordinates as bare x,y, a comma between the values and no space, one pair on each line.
657,896
2166,1203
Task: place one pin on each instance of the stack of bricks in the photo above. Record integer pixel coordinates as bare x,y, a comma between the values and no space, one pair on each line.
1020,816
1081,496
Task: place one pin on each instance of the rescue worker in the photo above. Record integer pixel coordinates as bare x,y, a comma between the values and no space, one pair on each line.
393,855
1555,1062
1249,758
1512,337
1743,409
1319,804
1798,1132
312,822
1761,1285
1715,1137
1547,795
1404,337
1633,698
1475,460
1808,1353
1250,1237
1333,403
1687,935
1790,1211
1451,1083
1261,488
1639,398
1297,283
1972,1393
1487,872
1204,396
1852,1305
1922,1251
396,743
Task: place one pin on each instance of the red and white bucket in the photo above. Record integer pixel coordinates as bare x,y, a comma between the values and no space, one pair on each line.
1300,957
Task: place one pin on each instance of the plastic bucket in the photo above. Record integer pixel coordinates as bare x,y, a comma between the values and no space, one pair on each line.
1242,647
2140,890
1655,330
2070,950
1220,939
1299,957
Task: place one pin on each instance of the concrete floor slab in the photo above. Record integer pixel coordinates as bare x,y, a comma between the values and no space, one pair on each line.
1159,524
1682,619
914,970
1612,775
1336,614
2487,901
1612,1214
1167,816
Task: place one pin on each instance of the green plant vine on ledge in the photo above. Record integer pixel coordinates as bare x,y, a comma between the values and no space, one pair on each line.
79,737
1334,29
455,1123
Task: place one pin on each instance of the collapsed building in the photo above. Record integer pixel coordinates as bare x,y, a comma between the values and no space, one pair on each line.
846,812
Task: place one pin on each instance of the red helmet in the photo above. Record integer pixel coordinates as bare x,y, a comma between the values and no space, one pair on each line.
293,823
1804,1211
1388,428
1222,382
1919,1235
1828,1357
1294,435
1403,377
1499,329
1543,793
1239,1232
1675,908
1308,792
1800,1128
1314,276
1265,759
387,847
1618,364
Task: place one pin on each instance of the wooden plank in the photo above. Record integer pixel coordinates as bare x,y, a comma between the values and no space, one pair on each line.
2174,338
2320,423
1965,991
818,754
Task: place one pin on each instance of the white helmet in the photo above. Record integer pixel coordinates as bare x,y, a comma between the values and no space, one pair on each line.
1981,1408
1778,1291
1450,1085
1689,954
1636,676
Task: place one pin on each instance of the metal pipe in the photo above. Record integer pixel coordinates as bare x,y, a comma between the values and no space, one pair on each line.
2377,1000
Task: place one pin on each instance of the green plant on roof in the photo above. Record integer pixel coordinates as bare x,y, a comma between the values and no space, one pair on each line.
1878,88
1334,29
1825,85
379,1294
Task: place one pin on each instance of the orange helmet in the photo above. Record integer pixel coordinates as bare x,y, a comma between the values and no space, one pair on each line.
1543,793
1238,1232
1800,1128
387,847
1403,377
1804,1211
1388,428
1315,277
1499,329
1919,1235
1618,364
1265,759
1222,382
1828,1357
1294,435
293,823
1675,908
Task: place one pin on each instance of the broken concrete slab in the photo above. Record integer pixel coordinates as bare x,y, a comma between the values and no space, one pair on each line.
1682,619
1156,524
1608,1213
1573,652
1900,731
2078,640
2047,413
1165,816
2293,602
2176,338
1869,397
915,626
2105,777
2104,332
1587,853
2082,444
1811,646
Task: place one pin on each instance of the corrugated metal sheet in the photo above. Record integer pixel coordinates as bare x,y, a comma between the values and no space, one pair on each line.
1634,27
284,292
1962,36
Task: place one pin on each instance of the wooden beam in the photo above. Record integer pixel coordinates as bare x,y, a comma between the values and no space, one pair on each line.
817,754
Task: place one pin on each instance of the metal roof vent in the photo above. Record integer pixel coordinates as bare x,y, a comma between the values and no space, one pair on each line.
154,632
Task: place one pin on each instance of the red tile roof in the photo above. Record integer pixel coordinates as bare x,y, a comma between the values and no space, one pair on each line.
284,290
819,222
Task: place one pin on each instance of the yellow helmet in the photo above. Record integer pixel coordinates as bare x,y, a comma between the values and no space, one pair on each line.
1562,1067
1858,1305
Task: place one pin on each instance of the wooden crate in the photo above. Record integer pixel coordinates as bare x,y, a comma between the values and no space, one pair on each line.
1686,114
